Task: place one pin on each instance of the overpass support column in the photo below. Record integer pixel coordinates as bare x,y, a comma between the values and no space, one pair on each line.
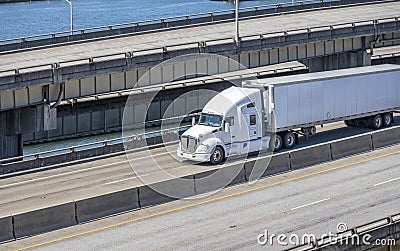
338,61
14,123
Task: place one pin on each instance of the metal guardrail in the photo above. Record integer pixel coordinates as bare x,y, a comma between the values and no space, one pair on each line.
202,44
359,230
160,20
93,145
386,55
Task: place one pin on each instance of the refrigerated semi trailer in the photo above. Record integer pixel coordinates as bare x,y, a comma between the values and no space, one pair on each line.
272,112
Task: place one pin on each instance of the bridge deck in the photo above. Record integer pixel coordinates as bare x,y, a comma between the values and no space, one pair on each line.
195,34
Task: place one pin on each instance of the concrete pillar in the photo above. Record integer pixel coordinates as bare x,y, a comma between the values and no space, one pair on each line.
338,61
14,123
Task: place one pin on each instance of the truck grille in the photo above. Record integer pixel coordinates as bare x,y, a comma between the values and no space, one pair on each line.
188,144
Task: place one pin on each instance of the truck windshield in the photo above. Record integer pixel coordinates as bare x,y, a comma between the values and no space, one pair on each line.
213,120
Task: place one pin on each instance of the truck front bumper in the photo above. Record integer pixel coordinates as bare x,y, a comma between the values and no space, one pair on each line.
198,157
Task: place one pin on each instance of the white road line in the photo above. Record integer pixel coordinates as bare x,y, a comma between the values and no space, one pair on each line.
77,171
381,183
117,181
310,204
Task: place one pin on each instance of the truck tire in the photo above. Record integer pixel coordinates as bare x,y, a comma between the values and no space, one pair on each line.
289,139
387,119
376,122
277,143
217,156
313,130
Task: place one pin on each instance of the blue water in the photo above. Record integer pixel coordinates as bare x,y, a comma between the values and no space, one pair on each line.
33,18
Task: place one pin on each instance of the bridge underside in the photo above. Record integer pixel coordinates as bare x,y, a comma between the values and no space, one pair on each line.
329,55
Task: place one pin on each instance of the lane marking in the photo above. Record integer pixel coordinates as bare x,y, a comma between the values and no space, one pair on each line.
206,202
76,171
117,181
130,178
310,204
381,183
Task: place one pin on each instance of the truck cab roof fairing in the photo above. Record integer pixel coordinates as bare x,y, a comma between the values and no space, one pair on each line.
228,99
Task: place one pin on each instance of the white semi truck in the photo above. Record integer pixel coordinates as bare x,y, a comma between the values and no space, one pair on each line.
271,113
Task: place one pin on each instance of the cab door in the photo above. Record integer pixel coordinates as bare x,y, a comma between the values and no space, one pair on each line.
250,115
251,119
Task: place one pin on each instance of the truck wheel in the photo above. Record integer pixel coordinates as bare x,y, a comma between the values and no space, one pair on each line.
376,122
387,119
217,156
277,143
289,139
313,130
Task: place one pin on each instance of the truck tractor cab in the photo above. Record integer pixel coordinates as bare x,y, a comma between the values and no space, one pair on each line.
230,124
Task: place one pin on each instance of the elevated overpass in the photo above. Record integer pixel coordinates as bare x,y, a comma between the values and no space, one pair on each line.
117,63
323,38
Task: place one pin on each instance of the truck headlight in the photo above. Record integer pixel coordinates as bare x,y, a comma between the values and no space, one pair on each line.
202,148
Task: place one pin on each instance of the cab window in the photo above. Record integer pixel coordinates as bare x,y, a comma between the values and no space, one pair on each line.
253,119
230,120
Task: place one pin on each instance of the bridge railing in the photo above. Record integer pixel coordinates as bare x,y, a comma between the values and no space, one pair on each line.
385,228
165,22
332,29
386,55
98,144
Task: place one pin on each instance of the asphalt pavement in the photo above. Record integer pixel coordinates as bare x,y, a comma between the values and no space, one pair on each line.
312,201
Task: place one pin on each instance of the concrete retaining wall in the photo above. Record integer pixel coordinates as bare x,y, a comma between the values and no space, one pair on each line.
310,155
6,228
350,146
219,178
58,216
157,193
386,137
44,220
266,166
107,204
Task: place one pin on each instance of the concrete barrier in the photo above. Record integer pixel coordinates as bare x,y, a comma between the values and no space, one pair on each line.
45,219
6,229
106,204
170,23
352,145
266,166
160,192
386,137
219,178
310,155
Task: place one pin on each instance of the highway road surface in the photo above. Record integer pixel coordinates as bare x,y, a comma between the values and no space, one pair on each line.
203,33
314,200
82,180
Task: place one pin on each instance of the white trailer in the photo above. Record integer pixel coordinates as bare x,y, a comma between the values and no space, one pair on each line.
247,118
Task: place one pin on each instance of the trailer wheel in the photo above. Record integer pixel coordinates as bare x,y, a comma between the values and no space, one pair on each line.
289,139
277,143
376,122
217,156
313,130
387,119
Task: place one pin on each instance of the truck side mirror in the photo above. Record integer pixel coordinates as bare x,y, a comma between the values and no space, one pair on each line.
193,121
226,127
